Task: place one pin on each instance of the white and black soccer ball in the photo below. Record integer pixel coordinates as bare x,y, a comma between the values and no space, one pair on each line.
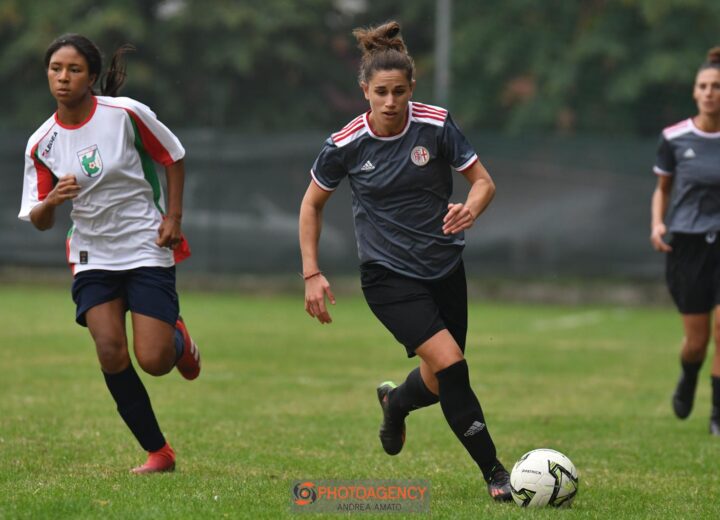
544,478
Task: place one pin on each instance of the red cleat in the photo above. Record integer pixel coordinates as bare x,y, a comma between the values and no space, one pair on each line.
189,363
160,461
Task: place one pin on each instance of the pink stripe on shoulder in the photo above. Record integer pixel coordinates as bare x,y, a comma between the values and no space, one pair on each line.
349,129
431,108
429,115
677,129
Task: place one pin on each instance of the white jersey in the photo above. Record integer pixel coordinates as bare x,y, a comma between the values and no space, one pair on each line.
120,207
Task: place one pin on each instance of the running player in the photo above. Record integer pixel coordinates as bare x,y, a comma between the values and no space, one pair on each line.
688,191
398,158
98,152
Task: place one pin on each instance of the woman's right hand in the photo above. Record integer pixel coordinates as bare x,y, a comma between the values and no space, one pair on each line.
67,188
316,288
43,215
656,238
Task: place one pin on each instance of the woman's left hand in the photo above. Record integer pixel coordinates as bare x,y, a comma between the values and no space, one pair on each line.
458,218
169,233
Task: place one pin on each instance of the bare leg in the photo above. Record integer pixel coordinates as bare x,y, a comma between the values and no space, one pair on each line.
107,327
697,337
715,370
106,323
154,344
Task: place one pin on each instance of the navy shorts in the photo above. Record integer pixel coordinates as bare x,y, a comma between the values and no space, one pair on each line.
149,291
415,310
692,272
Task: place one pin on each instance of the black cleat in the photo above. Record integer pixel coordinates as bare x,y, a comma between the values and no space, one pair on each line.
392,431
499,484
684,396
715,422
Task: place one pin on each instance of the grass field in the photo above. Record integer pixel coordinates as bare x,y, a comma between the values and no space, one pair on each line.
282,398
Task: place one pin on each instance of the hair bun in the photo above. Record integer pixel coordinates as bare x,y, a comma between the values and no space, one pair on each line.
713,56
383,37
383,49
393,30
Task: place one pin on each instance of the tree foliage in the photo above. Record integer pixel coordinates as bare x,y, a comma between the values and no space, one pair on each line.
605,66
602,66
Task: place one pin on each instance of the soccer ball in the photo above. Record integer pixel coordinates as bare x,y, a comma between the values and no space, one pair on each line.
544,477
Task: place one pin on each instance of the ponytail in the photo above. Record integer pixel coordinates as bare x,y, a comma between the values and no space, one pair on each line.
116,74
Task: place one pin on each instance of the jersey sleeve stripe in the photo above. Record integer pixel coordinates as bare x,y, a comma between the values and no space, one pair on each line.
468,164
45,178
679,124
151,143
359,131
430,108
350,125
429,121
429,113
683,127
320,184
660,171
347,131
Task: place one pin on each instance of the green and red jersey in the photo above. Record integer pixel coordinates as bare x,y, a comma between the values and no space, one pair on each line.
112,155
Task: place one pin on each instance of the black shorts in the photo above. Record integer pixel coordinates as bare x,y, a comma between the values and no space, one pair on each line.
692,271
146,290
415,310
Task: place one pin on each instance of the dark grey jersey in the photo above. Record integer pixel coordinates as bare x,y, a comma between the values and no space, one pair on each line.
692,158
401,186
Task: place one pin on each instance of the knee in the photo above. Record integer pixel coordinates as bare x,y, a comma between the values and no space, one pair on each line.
112,354
155,362
447,359
698,341
440,351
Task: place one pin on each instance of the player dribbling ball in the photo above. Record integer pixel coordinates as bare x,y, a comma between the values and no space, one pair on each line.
399,159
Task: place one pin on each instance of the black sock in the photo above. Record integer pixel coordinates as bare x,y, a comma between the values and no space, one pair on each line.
691,369
465,417
690,372
179,344
411,395
133,404
715,381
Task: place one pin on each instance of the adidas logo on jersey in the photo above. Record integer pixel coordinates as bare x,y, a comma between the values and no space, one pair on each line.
367,167
689,153
475,427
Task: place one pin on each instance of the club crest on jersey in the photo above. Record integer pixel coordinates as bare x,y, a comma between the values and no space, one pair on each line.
420,156
90,161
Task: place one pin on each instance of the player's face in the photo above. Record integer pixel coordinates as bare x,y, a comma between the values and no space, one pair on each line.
69,76
707,92
388,92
